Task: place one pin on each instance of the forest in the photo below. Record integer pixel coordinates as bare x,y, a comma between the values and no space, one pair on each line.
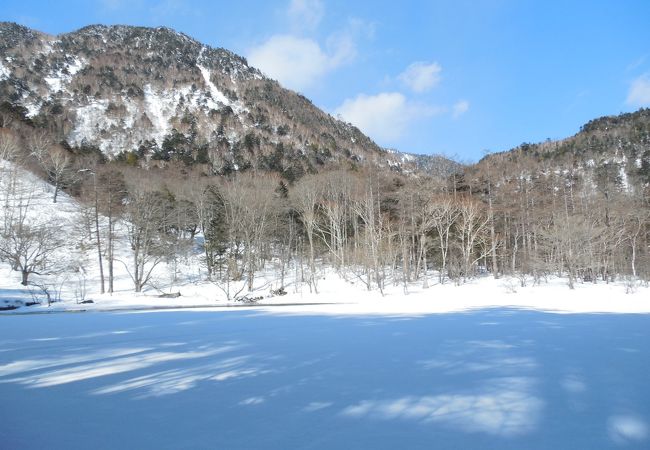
531,213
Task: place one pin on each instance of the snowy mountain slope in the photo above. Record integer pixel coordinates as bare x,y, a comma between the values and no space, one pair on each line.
435,165
160,94
608,154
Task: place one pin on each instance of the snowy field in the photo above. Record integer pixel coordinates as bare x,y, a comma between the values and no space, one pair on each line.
498,379
339,296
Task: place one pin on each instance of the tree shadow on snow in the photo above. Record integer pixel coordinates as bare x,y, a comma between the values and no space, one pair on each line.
484,379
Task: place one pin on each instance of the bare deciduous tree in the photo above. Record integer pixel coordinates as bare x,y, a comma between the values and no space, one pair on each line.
471,227
30,249
305,198
9,145
250,204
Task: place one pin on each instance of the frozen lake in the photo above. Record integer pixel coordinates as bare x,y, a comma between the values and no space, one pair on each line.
247,380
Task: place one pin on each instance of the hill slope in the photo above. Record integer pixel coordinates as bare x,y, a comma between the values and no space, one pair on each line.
162,95
609,151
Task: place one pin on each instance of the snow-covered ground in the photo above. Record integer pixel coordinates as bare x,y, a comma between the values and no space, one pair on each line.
497,379
344,368
336,294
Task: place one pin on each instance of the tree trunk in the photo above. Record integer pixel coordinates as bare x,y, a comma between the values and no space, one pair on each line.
99,243
110,254
312,265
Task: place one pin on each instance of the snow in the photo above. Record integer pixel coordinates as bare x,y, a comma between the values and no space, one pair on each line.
76,66
58,79
218,96
4,72
623,429
90,120
32,191
505,410
159,108
340,297
47,47
162,106
337,296
501,378
32,109
54,83
404,157
622,173
487,364
95,124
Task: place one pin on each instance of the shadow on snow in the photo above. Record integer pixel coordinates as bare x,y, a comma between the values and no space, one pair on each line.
490,379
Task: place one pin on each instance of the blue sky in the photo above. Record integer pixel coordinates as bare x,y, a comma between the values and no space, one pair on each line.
454,77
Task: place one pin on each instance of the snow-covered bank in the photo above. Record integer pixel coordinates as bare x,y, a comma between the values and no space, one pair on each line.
337,296
79,279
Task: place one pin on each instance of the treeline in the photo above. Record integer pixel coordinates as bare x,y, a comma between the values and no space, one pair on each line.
380,228
514,216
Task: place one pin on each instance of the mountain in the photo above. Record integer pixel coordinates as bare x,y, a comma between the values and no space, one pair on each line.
152,98
608,154
156,95
434,164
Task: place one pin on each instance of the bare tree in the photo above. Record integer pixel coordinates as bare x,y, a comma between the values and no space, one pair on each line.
336,211
250,204
39,144
305,198
570,239
9,145
56,161
61,172
6,119
111,195
636,220
30,249
373,234
444,213
146,219
471,227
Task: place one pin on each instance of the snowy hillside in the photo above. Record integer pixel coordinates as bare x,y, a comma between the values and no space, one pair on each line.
160,95
70,276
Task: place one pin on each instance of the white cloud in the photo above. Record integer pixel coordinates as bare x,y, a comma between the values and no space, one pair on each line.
627,429
421,76
342,44
639,93
305,14
342,48
295,62
298,61
459,108
385,116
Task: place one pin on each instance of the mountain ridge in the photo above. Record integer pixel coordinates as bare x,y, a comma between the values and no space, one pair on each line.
158,94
